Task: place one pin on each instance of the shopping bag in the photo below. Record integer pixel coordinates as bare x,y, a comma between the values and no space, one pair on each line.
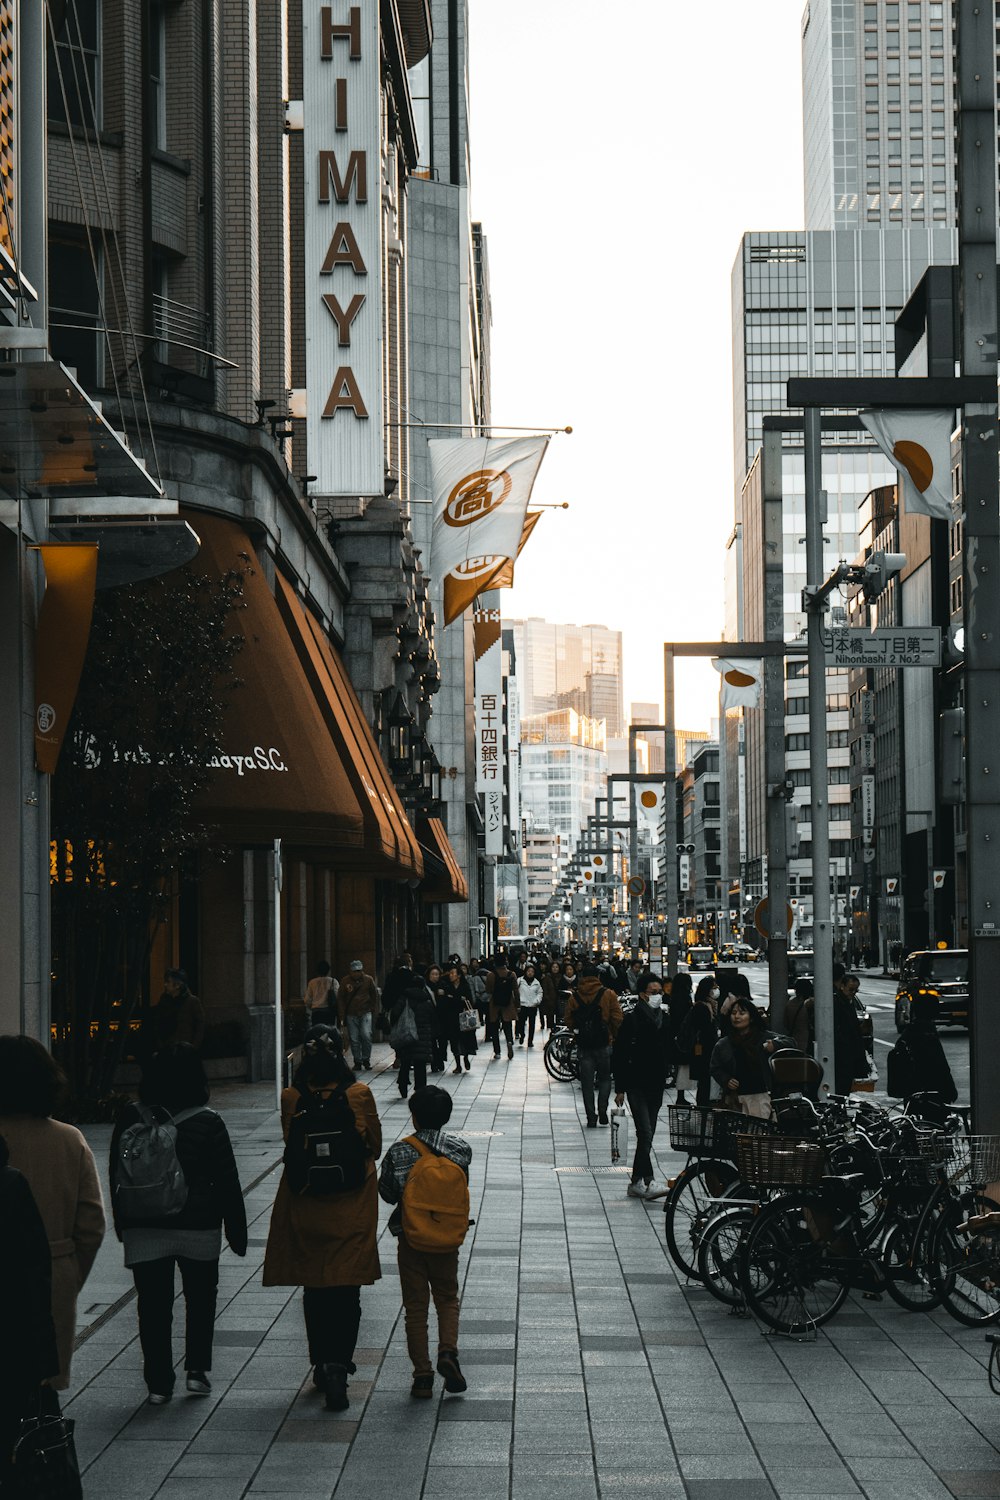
404,1032
468,1019
619,1135
44,1462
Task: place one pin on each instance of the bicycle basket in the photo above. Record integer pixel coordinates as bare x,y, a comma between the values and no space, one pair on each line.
982,1153
779,1161
729,1124
938,1149
691,1128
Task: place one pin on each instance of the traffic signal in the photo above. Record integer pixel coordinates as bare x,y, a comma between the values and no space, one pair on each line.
879,568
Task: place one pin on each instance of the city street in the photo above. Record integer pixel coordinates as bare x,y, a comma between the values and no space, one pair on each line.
593,1370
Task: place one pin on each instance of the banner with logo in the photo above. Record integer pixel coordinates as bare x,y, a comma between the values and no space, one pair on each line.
919,444
481,488
61,642
488,686
649,803
740,682
480,574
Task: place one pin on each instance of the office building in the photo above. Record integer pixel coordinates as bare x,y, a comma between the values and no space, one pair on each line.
572,666
564,766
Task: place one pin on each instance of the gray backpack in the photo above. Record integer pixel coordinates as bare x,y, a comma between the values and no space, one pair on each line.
150,1180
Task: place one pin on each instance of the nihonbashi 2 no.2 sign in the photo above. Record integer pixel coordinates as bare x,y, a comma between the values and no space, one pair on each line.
343,246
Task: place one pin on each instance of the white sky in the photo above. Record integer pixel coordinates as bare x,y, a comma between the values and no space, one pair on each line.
620,148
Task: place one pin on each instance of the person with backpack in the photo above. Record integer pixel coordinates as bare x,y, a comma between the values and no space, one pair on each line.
426,1175
174,1187
415,1049
594,1013
502,987
697,1036
642,1063
324,1224
917,1063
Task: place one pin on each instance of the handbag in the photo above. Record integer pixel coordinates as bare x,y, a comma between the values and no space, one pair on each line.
404,1033
468,1019
44,1462
619,1134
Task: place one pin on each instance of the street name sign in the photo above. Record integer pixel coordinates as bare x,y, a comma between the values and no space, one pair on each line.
907,646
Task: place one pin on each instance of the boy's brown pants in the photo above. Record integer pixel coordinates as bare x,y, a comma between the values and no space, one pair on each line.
423,1275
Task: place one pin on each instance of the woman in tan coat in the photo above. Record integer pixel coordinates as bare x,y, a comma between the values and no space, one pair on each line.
327,1244
60,1170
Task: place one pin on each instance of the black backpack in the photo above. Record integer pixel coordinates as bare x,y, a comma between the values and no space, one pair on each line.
324,1153
591,1027
899,1072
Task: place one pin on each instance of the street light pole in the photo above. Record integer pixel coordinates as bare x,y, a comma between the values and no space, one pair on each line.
670,806
633,843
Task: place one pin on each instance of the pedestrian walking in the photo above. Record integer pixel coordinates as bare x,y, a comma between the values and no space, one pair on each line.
594,1013
454,1004
357,1007
426,1176
416,1053
433,979
28,1353
551,976
320,996
642,1064
178,1016
324,1224
61,1173
679,1006
741,1060
477,986
800,1015
529,992
165,1225
850,1053
696,1039
502,987
917,1063
567,988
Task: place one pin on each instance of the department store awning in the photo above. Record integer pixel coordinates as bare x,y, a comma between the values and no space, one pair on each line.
447,882
279,775
389,839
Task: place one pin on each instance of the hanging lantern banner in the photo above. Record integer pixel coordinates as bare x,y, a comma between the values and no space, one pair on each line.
489,723
649,803
61,643
481,489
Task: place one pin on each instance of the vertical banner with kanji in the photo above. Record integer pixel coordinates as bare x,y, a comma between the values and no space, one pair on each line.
489,724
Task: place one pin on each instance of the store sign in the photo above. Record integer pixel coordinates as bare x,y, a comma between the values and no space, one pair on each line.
868,708
868,801
342,94
489,724
913,646
866,750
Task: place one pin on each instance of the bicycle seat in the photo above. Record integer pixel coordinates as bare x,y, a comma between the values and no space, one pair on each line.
794,1072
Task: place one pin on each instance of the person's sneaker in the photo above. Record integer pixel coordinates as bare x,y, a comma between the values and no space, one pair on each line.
510,1054
449,1367
651,1190
636,1190
591,1124
158,1398
336,1387
422,1387
198,1383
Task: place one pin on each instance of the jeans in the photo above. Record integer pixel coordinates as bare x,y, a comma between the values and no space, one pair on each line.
423,1275
154,1283
595,1063
359,1029
419,1075
526,1019
333,1317
644,1102
508,1031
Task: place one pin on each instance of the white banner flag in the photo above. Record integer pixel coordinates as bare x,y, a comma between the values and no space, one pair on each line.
481,491
649,802
919,444
740,682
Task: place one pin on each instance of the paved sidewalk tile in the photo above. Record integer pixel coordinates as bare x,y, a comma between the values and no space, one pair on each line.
595,1372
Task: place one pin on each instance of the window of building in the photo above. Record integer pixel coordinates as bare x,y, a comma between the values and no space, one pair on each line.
75,307
75,98
796,742
157,73
837,739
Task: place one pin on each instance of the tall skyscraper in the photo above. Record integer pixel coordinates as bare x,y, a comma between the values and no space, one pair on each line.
571,666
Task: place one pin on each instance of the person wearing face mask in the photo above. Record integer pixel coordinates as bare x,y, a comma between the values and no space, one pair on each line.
642,1064
741,1060
698,1034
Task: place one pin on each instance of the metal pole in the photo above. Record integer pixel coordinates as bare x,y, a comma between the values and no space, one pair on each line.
818,772
279,1041
977,261
772,564
670,806
633,841
723,933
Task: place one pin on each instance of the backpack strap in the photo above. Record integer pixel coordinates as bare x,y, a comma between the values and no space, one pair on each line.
188,1114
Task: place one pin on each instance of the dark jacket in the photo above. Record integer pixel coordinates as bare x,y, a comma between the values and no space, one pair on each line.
29,1335
696,1040
749,1065
922,1066
453,1000
178,1018
205,1153
397,982
851,1058
678,1007
503,992
643,1051
800,1021
418,998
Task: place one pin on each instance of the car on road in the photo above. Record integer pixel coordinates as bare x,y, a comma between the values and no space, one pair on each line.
699,956
800,964
941,972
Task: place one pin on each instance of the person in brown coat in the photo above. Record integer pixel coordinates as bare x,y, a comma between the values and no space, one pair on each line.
501,986
61,1173
327,1245
358,1005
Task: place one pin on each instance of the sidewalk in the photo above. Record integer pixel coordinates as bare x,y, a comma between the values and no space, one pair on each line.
593,1372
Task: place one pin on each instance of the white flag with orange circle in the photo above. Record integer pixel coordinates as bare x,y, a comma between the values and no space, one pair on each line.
481,490
648,802
919,444
741,681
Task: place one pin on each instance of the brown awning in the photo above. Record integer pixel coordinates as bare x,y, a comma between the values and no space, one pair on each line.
389,839
451,884
279,776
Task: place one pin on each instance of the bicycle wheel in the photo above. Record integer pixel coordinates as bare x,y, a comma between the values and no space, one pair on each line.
719,1253
687,1206
965,1263
787,1279
908,1275
559,1057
